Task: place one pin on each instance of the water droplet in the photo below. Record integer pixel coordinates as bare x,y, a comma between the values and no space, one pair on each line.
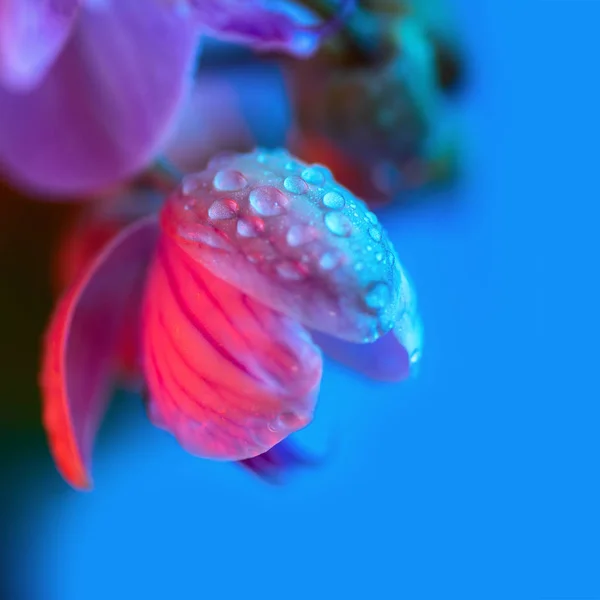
369,216
250,227
261,157
379,256
190,184
375,234
377,296
300,234
295,184
329,260
289,270
359,266
268,201
333,200
415,357
229,180
313,175
391,258
291,165
222,209
338,224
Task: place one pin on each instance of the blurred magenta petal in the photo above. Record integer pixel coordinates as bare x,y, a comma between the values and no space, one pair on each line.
81,343
227,376
281,25
105,106
32,33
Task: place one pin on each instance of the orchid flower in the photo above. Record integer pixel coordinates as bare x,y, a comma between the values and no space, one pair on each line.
89,89
249,269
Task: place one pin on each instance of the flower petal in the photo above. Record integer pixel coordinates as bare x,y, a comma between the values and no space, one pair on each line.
275,464
227,376
80,344
266,25
105,106
32,33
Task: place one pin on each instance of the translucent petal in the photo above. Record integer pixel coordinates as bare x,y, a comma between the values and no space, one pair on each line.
32,34
105,106
226,375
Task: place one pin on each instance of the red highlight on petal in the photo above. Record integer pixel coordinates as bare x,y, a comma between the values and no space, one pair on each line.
81,343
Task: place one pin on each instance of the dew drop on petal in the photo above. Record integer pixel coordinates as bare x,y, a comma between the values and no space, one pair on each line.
295,185
250,227
369,216
375,234
222,209
268,201
329,261
338,224
290,271
299,234
333,200
378,296
229,180
313,175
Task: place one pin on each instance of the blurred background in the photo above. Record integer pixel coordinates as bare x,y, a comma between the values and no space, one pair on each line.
477,479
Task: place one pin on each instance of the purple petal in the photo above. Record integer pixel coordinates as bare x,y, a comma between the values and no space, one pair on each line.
32,33
274,465
81,344
106,105
266,25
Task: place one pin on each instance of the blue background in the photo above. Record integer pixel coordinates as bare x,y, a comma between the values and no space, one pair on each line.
476,480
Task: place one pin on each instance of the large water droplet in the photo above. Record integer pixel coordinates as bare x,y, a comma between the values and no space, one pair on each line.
377,296
268,201
229,180
295,184
369,216
222,209
330,260
250,227
314,175
299,234
375,234
333,200
338,224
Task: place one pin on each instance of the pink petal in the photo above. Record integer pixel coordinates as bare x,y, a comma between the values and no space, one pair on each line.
227,376
32,33
106,105
80,345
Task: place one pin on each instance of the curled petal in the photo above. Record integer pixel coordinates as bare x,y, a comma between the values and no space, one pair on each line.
105,106
392,357
288,235
265,25
80,346
32,33
226,375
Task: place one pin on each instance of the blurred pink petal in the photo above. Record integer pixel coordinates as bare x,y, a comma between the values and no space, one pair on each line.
80,347
227,376
105,106
32,33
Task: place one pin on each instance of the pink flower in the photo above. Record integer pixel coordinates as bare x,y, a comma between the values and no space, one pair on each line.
89,88
251,262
